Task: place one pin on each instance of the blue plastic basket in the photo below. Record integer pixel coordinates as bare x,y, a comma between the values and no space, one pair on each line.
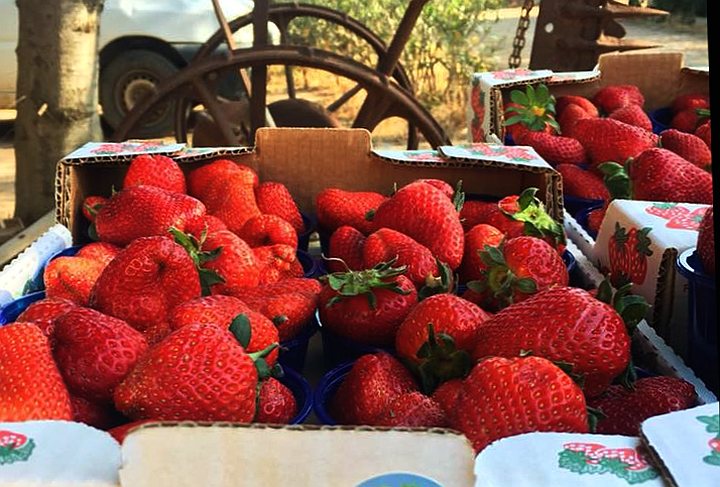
294,351
326,389
302,392
661,119
338,349
702,319
304,237
312,267
12,310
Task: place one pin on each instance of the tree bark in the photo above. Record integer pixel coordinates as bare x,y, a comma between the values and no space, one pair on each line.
57,108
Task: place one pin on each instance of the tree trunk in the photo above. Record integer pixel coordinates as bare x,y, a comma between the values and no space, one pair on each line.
57,94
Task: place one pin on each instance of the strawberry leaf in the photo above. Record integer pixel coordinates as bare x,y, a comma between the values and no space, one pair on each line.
526,285
241,329
92,233
459,197
594,416
440,361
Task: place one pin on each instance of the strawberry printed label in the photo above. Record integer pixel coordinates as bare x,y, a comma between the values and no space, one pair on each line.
628,464
98,150
14,447
677,216
516,154
628,250
712,425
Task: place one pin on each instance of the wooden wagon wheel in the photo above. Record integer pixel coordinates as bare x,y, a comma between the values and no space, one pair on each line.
195,81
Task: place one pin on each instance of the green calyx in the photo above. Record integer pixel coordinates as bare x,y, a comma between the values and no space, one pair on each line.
498,280
617,180
242,331
459,197
536,108
594,417
537,222
440,361
193,246
444,283
356,283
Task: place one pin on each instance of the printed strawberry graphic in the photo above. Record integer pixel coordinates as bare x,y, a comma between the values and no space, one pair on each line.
630,464
14,447
627,252
689,220
476,99
706,243
712,425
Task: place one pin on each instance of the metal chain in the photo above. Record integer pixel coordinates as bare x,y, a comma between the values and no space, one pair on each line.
519,40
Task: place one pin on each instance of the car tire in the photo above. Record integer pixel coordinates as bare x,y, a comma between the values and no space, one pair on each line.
127,79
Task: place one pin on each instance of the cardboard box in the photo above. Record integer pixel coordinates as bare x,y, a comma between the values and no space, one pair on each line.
667,229
661,76
310,160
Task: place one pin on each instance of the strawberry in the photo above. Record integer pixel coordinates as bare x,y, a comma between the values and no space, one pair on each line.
703,131
232,200
443,186
205,225
91,206
31,385
475,241
145,281
276,403
346,244
564,102
386,244
235,262
413,410
475,212
690,101
569,116
457,324
605,139
44,312
198,373
262,331
275,262
373,382
555,149
610,98
689,119
632,115
532,109
101,416
336,207
447,395
264,230
275,199
155,170
102,252
517,269
216,309
202,181
706,243
595,218
505,397
290,304
72,278
367,306
580,183
425,214
562,324
659,175
144,211
688,146
625,409
120,432
95,352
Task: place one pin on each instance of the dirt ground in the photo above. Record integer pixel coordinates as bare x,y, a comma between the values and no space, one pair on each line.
690,39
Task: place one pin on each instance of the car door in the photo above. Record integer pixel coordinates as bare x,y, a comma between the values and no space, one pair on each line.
8,61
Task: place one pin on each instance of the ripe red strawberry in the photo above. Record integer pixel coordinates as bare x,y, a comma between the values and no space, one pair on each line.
31,385
101,416
595,218
44,312
569,116
706,242
198,373
201,181
145,281
235,263
205,226
439,184
72,278
633,115
216,309
689,120
505,397
102,252
475,241
275,199
155,170
517,269
690,101
232,200
413,410
374,381
120,432
91,206
447,395
475,212
367,306
144,211
625,409
275,262
276,403
386,245
688,146
263,333
606,140
263,230
610,98
290,304
346,244
564,102
703,131
555,149
581,183
336,207
594,337
451,317
425,214
95,352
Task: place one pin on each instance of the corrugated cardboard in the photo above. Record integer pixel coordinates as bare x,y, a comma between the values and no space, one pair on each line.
661,76
663,287
186,454
310,160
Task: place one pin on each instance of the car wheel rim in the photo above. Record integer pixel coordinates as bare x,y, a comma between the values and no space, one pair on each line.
133,89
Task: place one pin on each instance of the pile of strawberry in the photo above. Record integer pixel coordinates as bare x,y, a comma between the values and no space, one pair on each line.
604,147
174,314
